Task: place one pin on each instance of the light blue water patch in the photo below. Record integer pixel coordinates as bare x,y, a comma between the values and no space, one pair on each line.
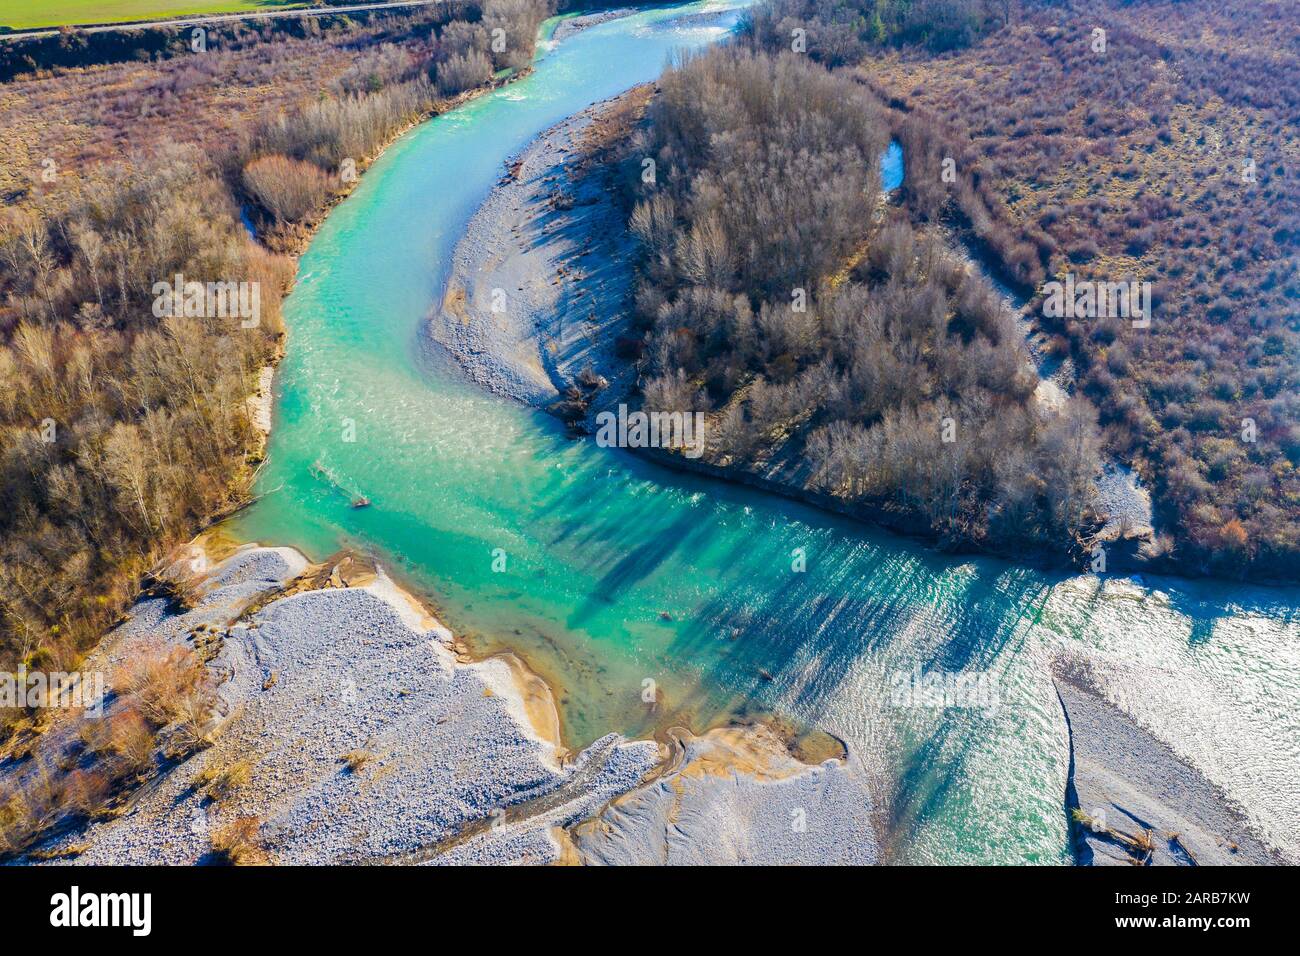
891,167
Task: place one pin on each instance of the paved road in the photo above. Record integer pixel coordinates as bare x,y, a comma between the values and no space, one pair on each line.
220,18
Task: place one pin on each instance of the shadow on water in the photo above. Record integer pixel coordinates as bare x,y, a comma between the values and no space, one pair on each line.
863,586
1218,601
794,649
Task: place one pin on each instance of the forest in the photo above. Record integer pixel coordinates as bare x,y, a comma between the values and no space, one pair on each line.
836,344
1162,149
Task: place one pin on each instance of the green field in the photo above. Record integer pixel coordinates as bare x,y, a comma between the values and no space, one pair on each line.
30,14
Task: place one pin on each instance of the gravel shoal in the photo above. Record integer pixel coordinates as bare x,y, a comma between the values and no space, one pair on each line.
1128,782
368,739
540,280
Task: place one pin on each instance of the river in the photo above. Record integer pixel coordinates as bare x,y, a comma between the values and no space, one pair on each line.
605,571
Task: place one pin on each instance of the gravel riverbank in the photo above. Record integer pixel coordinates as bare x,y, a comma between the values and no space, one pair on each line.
368,735
539,282
1132,799
571,25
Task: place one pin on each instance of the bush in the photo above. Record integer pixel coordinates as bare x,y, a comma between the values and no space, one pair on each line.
463,71
221,781
290,190
172,688
237,843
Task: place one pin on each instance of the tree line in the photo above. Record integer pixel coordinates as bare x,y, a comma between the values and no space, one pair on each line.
290,166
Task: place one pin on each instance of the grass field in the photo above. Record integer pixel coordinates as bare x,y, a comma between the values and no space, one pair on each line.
31,14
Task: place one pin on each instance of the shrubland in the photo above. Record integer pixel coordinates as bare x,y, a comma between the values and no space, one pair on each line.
836,343
84,766
1165,154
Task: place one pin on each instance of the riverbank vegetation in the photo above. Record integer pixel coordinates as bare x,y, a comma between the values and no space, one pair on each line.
291,166
126,425
85,768
1162,149
122,430
840,33
837,345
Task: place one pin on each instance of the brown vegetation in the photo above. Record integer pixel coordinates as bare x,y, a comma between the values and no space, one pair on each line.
1169,157
120,432
237,843
357,760
288,188
836,348
291,164
170,688
838,33
221,781
82,766
123,428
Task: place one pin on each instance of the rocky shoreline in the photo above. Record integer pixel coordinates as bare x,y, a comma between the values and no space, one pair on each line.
367,734
539,281
570,25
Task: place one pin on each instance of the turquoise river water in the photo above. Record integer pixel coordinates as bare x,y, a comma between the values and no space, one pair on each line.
599,546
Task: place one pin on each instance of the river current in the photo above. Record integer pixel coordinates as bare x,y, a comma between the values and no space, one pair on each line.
606,571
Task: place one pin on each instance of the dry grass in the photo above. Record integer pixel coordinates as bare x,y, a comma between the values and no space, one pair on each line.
15,824
48,797
222,781
236,843
129,737
356,760
81,118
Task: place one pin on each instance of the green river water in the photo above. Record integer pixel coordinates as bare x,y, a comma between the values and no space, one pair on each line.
598,545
